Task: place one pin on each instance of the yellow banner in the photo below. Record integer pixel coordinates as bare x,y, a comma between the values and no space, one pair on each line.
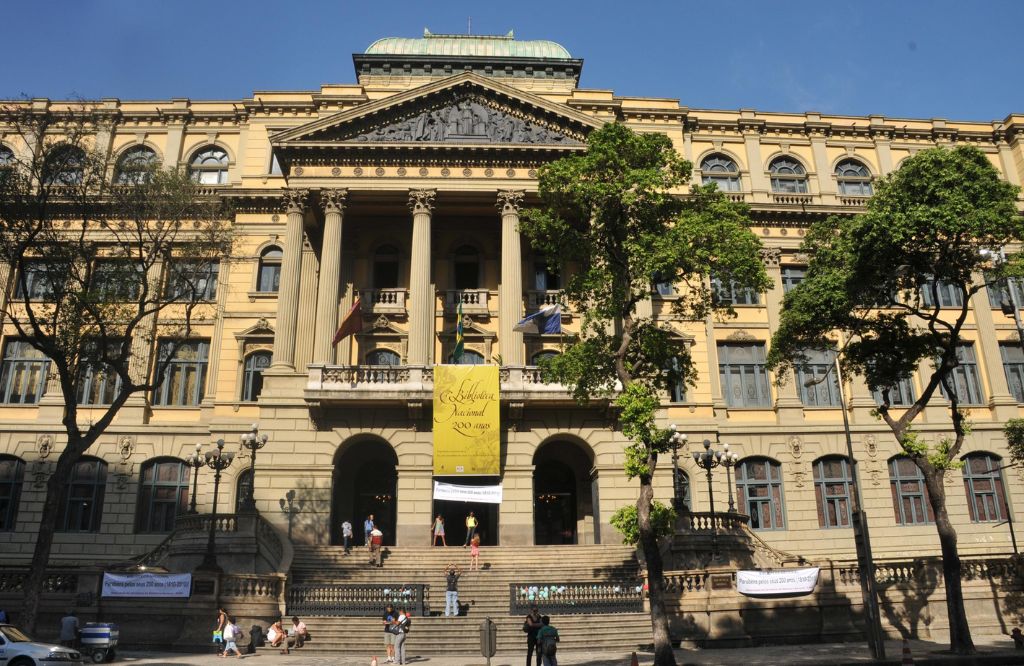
467,438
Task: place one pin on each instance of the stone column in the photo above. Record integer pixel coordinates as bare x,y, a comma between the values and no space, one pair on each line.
330,276
510,291
421,289
986,354
288,292
787,398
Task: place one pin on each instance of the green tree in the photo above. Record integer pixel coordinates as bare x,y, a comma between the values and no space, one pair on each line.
98,252
891,290
612,213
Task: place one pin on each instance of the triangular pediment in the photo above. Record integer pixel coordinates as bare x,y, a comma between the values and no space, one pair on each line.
465,110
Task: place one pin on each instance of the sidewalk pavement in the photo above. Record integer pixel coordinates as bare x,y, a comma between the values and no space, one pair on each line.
992,650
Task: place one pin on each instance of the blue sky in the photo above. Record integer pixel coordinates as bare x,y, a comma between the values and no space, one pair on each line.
900,58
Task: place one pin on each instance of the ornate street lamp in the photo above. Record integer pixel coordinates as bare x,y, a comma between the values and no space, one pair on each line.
708,460
728,461
253,441
218,461
678,439
195,461
291,508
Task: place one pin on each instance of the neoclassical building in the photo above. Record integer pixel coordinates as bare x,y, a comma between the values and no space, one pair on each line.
403,190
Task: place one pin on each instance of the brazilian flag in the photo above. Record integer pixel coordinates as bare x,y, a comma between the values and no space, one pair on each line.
459,338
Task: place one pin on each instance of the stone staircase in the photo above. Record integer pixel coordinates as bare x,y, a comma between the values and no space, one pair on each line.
482,594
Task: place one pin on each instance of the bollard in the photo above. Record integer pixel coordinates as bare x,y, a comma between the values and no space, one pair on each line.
488,639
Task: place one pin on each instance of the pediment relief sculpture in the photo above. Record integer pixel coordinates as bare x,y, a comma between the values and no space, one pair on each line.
471,118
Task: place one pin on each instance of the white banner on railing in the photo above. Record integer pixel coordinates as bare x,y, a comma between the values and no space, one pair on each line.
457,493
771,582
147,585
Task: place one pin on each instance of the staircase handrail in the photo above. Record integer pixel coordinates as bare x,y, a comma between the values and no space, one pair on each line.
271,539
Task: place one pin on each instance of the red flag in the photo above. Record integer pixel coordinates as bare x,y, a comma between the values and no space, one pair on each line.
351,324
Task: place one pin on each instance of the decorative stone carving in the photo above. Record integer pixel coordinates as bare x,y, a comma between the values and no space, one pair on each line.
333,201
795,446
510,201
126,447
770,256
871,445
421,201
798,478
468,118
44,445
295,201
876,477
740,336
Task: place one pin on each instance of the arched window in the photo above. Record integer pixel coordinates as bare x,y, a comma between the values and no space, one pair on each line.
469,357
854,179
12,475
268,276
82,510
163,494
209,166
788,176
832,482
759,491
467,268
721,171
64,165
983,481
243,488
252,376
385,267
383,357
909,494
135,166
543,355
6,157
681,491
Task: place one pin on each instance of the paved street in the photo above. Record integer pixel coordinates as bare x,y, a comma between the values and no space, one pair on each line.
992,650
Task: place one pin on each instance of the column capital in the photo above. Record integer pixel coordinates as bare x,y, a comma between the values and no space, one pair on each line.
510,201
295,201
771,256
421,201
333,201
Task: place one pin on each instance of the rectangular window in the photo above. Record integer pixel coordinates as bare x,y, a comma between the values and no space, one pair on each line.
663,285
1013,366
999,292
964,379
730,294
23,373
791,277
816,379
742,375
183,365
40,281
950,295
901,394
118,280
83,509
545,279
909,494
191,281
98,383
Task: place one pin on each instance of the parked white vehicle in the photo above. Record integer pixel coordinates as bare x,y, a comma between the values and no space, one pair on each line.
17,649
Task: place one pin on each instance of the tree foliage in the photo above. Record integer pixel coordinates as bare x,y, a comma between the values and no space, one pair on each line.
104,259
1014,431
935,229
613,216
663,520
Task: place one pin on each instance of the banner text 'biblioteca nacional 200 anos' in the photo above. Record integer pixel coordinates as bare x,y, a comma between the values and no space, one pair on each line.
467,439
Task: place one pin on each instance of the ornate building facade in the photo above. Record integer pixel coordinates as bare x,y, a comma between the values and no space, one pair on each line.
403,190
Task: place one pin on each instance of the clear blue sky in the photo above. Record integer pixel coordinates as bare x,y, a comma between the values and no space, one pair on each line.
900,58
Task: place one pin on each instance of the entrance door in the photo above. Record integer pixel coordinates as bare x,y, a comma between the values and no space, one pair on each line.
554,504
365,483
454,514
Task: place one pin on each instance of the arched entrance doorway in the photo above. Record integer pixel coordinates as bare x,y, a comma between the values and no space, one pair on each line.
365,482
565,494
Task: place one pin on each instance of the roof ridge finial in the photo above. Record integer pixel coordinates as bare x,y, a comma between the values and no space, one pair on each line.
427,33
511,34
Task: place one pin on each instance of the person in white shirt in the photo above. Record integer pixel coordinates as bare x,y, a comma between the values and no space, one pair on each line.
231,634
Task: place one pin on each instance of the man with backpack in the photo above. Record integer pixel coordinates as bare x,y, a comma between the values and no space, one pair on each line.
547,642
531,625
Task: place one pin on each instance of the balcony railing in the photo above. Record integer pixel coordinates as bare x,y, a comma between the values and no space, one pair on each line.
384,301
474,301
537,299
793,199
849,200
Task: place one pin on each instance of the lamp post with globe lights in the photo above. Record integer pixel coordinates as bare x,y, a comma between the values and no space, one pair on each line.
195,461
728,461
678,439
707,461
253,441
218,460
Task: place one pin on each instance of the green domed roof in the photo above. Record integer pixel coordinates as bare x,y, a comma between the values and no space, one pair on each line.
493,46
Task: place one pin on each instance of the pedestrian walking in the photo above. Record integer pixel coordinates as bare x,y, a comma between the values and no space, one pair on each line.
69,629
451,594
346,536
438,530
402,624
232,634
474,553
547,641
389,618
471,525
218,631
367,528
377,548
531,625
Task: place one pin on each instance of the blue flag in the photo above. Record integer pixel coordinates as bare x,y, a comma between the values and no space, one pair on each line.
547,320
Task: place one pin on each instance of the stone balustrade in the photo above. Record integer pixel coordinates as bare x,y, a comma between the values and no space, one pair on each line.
542,298
384,301
793,199
473,301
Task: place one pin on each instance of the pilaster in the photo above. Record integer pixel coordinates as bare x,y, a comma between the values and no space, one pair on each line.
421,289
510,291
295,202
1000,400
787,399
333,202
216,342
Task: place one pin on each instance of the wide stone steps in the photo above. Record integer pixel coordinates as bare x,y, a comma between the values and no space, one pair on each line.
461,636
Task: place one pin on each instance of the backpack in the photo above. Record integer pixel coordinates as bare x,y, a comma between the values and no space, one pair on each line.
549,646
407,624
